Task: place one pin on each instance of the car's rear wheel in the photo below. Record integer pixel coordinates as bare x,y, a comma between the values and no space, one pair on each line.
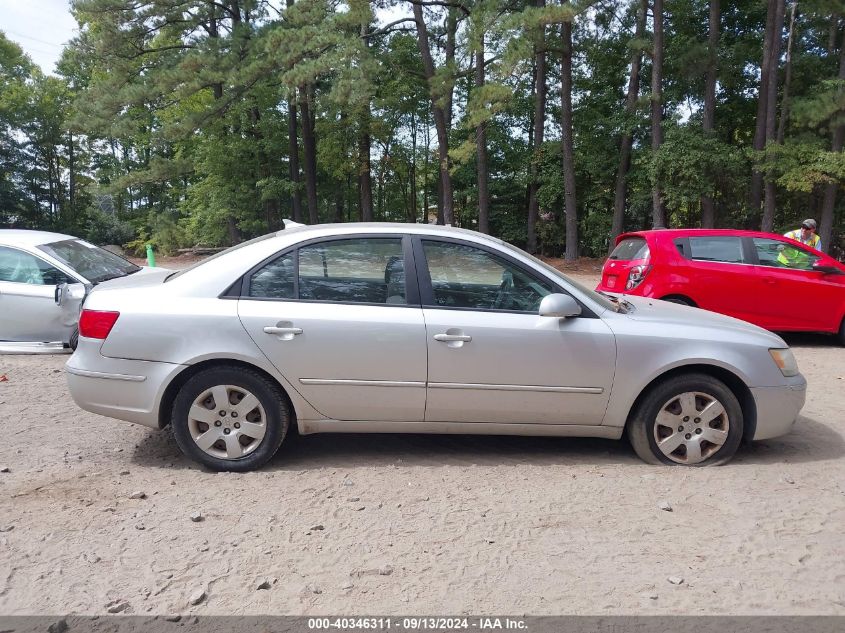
230,418
688,420
842,332
74,339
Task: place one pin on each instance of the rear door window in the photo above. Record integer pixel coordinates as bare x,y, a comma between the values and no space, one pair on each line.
717,249
631,248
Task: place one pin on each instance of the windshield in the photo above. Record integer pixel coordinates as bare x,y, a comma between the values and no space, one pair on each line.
602,300
92,262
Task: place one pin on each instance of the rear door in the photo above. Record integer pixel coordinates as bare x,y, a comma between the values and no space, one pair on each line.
341,320
720,271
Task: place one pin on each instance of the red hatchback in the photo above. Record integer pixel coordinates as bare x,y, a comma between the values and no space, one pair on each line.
769,280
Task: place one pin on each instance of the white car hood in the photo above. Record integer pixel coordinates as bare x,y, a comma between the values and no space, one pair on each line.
656,311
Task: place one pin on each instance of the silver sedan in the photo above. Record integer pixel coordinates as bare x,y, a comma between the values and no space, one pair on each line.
43,279
372,328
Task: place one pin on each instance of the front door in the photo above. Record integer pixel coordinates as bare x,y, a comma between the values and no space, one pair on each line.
789,294
28,307
492,358
336,319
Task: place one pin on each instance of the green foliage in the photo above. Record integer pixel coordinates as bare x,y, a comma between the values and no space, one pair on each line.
175,112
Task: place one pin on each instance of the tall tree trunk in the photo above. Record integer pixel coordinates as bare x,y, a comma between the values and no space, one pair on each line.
784,103
658,206
768,221
412,170
293,152
439,118
756,194
829,202
568,154
481,149
539,129
627,140
309,143
365,178
71,175
708,211
293,162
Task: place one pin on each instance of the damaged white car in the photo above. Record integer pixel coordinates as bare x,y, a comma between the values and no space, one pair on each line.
44,277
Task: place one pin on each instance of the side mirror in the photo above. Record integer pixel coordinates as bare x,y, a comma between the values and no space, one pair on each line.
825,269
560,306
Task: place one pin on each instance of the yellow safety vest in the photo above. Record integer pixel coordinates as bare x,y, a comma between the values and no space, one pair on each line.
813,242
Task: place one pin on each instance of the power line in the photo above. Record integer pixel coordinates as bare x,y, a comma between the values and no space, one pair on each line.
34,39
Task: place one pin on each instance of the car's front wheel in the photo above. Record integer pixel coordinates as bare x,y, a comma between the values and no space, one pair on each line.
230,418
689,419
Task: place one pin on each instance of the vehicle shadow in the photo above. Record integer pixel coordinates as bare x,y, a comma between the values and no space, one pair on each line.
809,339
810,441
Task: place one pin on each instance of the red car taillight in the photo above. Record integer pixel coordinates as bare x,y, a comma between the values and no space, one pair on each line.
96,323
636,276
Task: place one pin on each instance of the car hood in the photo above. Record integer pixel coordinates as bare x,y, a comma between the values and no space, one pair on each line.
658,312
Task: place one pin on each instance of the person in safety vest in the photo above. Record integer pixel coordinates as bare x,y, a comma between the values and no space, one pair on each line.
806,234
792,257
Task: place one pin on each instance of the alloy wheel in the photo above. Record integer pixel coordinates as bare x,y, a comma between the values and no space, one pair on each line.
227,421
691,427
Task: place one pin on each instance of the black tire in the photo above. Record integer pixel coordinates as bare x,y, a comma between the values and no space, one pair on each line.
641,424
269,395
684,301
842,332
74,339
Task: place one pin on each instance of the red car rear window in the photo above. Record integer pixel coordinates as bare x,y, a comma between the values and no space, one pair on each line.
630,248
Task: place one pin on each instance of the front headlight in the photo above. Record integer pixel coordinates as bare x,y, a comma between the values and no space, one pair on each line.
785,361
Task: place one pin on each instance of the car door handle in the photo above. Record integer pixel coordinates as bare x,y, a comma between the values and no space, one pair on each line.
445,338
282,330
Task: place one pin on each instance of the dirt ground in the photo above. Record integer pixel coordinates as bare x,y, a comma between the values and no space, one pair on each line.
415,524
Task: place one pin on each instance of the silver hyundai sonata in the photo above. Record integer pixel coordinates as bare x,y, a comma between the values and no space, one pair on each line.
372,328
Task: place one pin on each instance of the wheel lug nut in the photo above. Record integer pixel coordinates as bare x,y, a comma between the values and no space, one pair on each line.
237,425
697,420
688,436
234,414
226,431
222,413
686,418
698,431
217,423
680,429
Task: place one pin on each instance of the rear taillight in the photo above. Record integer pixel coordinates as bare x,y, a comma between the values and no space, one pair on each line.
96,323
636,276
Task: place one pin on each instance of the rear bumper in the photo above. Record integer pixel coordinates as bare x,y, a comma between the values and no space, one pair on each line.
777,408
128,390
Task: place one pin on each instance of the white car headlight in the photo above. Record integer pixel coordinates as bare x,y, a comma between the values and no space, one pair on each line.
785,361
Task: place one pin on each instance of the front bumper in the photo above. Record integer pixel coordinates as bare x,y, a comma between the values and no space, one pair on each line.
129,390
777,408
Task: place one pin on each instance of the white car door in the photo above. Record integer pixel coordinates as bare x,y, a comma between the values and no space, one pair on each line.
492,358
336,319
29,311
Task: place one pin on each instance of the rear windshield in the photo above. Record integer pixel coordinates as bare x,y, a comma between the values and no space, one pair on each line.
93,263
630,248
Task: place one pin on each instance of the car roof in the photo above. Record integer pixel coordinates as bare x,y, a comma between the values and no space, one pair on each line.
397,227
23,237
673,233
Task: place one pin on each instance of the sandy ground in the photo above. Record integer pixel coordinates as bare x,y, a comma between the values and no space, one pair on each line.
415,524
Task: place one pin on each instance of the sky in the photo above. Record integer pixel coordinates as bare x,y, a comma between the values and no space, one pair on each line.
40,27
